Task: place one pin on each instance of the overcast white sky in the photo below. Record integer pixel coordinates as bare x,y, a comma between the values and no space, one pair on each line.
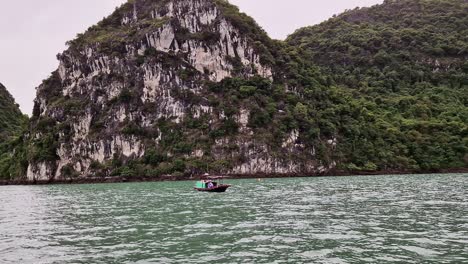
33,32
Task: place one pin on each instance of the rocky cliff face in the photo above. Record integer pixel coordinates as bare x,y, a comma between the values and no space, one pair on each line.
166,87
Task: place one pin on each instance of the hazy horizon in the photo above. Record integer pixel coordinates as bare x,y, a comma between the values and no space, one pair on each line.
30,41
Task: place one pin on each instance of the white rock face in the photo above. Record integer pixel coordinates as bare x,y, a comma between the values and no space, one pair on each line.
129,147
243,119
260,162
81,128
40,172
198,153
162,39
194,16
291,140
200,110
258,159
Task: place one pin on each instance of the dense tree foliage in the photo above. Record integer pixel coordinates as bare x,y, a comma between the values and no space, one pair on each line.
399,76
12,124
11,119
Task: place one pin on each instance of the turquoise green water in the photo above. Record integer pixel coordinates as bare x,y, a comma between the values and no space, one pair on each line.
382,219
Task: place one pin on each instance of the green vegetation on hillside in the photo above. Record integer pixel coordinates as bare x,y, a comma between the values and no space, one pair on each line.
111,34
400,72
12,125
11,119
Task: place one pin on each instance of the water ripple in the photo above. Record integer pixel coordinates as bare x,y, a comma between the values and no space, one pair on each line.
382,219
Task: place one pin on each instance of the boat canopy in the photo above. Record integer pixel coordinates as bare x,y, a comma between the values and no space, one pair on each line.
216,177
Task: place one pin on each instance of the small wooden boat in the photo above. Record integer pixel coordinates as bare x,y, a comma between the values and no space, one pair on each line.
212,185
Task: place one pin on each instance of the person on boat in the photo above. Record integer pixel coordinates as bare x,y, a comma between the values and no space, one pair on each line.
210,185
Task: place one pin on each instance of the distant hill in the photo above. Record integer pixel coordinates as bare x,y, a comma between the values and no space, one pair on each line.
11,118
404,65
12,125
401,42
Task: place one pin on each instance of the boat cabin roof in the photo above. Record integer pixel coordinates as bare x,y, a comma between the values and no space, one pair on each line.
216,177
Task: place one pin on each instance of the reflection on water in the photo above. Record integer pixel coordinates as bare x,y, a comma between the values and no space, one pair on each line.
382,219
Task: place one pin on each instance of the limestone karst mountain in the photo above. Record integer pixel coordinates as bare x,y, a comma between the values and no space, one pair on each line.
165,87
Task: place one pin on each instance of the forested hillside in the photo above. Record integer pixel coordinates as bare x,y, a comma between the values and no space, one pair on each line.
12,125
399,77
11,119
